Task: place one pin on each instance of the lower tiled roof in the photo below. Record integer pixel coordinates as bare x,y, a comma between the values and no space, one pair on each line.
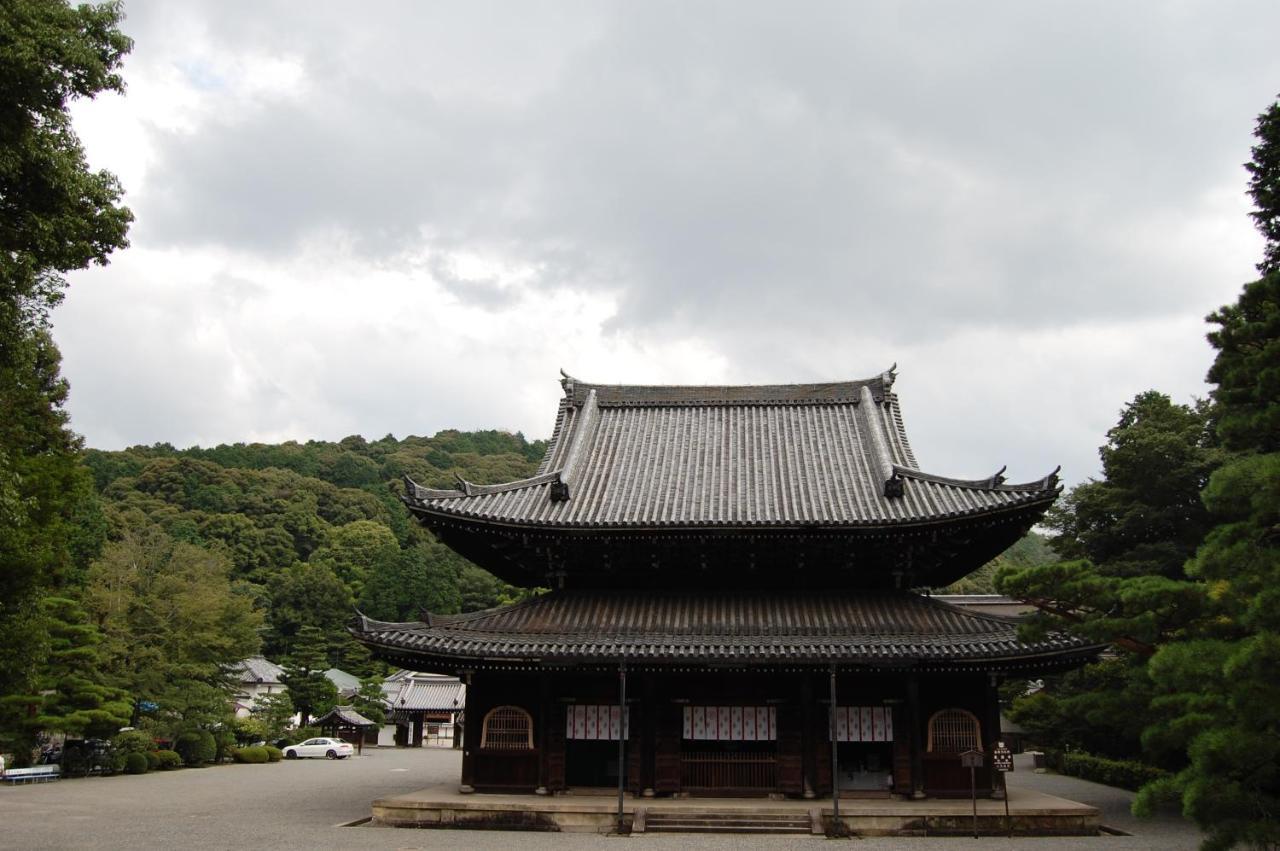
802,627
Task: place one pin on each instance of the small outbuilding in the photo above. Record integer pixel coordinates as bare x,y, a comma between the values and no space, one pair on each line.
343,722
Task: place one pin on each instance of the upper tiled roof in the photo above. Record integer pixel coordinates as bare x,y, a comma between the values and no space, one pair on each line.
672,627
777,455
257,669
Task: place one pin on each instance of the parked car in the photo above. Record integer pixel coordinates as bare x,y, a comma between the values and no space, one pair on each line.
331,748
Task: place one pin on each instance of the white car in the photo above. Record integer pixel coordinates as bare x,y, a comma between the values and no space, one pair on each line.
331,748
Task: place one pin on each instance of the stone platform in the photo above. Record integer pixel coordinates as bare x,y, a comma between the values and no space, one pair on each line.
1032,813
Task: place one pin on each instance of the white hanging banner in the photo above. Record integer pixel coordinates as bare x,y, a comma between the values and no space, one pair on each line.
596,723
730,723
864,724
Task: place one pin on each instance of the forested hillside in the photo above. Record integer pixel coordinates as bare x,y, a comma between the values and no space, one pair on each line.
311,530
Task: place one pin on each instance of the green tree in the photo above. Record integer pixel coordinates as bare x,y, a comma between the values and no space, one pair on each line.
276,712
173,623
72,695
55,215
310,690
422,578
370,702
1217,688
357,549
1264,187
1123,539
309,595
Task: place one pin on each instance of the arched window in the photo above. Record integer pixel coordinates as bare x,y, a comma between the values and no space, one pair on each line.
507,728
954,731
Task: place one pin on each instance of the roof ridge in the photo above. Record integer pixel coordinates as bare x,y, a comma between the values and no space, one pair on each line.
827,392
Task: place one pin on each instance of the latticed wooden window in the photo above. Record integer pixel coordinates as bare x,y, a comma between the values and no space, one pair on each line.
507,728
954,731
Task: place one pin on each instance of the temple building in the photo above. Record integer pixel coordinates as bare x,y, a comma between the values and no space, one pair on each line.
730,574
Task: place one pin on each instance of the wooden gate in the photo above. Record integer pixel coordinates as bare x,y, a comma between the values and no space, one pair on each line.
709,769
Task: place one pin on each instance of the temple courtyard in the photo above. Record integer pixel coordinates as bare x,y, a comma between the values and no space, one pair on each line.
310,803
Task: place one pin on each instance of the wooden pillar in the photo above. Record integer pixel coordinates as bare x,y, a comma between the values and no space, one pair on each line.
809,742
993,733
648,714
915,722
417,730
544,732
470,739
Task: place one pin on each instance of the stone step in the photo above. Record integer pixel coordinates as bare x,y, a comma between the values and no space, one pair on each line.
685,822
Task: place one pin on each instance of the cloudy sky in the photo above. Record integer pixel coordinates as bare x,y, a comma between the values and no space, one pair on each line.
404,217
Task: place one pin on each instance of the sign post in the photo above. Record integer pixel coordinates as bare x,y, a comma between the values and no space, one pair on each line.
972,760
1002,761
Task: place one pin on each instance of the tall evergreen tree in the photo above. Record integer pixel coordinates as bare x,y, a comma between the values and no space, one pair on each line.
310,690
1218,688
1123,539
55,215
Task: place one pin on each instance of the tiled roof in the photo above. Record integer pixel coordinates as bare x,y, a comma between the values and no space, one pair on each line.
427,692
342,681
803,627
825,455
257,669
344,715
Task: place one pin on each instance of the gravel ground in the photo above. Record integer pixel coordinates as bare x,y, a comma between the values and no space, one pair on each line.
300,805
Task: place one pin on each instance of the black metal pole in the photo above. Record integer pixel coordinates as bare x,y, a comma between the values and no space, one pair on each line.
622,735
973,793
835,759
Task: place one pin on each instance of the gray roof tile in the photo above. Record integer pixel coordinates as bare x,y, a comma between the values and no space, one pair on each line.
779,455
802,627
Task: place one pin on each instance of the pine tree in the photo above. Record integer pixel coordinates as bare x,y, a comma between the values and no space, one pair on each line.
1219,689
310,690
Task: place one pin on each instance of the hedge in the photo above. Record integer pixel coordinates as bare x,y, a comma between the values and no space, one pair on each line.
153,760
274,754
169,760
251,754
1125,773
135,762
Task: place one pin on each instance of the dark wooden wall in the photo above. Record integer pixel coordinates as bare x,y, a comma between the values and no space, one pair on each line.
656,702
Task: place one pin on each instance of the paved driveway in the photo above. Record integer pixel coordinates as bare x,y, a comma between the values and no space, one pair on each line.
298,805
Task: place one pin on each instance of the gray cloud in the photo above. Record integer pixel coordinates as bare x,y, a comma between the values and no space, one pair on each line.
813,189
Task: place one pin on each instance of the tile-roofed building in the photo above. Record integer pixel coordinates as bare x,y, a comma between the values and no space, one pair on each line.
739,563
255,677
424,708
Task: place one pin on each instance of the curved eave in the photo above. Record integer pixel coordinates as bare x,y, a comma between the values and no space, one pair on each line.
466,650
458,507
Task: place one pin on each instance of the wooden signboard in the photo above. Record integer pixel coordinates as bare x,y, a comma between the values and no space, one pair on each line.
1001,758
971,759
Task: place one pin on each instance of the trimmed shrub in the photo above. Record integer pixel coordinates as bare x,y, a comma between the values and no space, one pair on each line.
135,763
196,747
1125,773
169,760
153,760
133,741
274,754
255,754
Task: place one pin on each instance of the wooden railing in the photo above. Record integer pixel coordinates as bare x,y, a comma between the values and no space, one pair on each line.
729,770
